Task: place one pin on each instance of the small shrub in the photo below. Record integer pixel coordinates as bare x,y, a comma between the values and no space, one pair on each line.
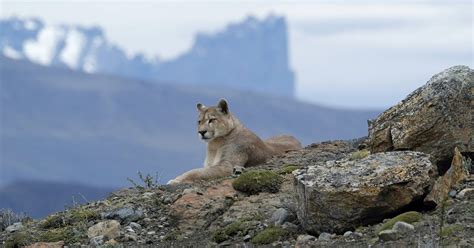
230,230
149,182
85,215
18,239
65,234
287,169
359,154
269,235
8,217
253,182
53,221
408,217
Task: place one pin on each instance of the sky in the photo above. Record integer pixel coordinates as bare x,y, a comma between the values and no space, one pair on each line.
352,54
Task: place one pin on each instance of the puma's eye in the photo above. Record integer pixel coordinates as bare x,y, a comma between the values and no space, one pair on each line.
211,120
199,122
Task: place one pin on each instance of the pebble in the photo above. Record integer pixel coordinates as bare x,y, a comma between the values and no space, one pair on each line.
325,236
305,237
247,238
151,233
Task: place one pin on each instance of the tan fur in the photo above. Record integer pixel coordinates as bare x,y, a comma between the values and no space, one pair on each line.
230,144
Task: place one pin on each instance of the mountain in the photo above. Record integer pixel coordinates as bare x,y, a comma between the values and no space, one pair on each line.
250,55
39,198
64,125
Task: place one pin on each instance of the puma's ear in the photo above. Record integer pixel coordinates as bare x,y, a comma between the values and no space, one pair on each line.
223,106
200,107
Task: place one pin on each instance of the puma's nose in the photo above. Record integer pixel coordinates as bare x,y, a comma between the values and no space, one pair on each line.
202,133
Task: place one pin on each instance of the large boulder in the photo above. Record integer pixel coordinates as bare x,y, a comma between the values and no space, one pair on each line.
337,196
433,119
455,174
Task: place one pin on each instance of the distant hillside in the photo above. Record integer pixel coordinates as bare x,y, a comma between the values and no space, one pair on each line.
37,198
250,55
62,125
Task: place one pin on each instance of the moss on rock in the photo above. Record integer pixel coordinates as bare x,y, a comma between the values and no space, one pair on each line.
408,217
289,168
253,182
269,235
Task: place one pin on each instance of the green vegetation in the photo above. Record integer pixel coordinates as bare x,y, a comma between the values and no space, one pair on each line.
408,217
450,230
231,230
253,182
359,154
269,235
86,215
18,239
65,234
289,168
53,221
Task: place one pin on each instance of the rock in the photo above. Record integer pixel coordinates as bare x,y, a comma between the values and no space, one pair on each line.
194,210
280,216
325,236
305,238
467,193
167,200
109,228
14,227
337,196
124,214
388,235
247,237
130,237
59,244
135,225
151,233
97,241
433,119
403,227
452,193
456,173
290,227
347,234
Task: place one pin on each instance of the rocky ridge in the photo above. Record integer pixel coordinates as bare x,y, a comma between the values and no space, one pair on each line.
329,194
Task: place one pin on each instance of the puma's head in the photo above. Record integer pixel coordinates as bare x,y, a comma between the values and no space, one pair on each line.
215,121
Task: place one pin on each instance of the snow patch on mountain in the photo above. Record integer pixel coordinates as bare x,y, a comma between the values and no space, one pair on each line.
44,48
74,46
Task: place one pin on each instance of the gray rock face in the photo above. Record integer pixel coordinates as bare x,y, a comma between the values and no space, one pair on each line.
337,196
388,235
125,214
433,119
280,216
